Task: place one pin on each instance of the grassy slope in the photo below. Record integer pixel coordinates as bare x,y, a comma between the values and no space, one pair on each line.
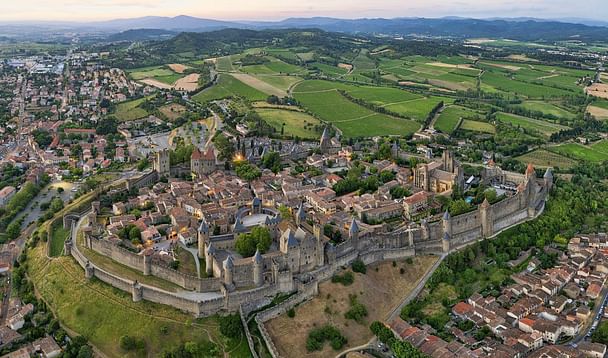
103,314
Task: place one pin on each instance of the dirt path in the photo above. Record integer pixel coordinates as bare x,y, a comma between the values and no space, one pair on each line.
434,120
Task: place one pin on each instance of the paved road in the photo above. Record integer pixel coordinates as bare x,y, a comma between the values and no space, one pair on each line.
597,313
32,210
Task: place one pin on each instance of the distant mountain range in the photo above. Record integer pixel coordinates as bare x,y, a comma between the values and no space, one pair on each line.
525,29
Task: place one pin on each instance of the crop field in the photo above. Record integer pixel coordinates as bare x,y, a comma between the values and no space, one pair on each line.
543,128
452,73
259,84
505,83
449,118
297,124
353,120
547,108
476,126
273,66
405,103
331,71
224,64
229,86
581,152
131,110
150,72
282,83
542,158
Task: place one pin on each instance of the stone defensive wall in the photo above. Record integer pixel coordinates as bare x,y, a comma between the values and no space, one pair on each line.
147,266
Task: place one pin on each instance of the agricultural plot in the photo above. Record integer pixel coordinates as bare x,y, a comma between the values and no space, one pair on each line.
259,84
581,152
224,64
450,117
547,108
274,66
542,158
228,86
294,123
451,73
283,83
150,72
172,111
353,120
504,82
543,128
477,126
131,110
328,70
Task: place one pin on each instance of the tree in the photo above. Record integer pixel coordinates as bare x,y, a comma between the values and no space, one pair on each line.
272,161
248,171
42,137
231,326
224,146
135,234
107,126
258,239
56,205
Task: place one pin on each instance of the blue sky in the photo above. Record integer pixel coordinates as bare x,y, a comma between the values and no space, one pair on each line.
280,9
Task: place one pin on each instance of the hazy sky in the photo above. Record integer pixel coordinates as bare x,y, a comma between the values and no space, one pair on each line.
279,9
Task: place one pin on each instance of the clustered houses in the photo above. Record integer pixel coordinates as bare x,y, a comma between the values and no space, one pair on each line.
540,308
523,346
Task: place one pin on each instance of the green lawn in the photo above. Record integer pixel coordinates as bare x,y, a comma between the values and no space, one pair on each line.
229,86
297,124
543,128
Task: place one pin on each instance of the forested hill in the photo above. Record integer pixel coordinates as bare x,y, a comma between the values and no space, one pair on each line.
462,28
516,29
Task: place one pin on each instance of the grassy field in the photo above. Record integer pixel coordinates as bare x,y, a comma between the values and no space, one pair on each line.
449,118
331,71
58,237
155,72
297,124
224,64
280,82
477,126
173,111
543,128
130,110
542,158
504,82
352,119
229,86
83,306
380,290
581,152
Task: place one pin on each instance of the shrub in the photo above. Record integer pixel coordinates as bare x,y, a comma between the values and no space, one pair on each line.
129,343
345,279
230,326
291,313
318,336
359,266
357,311
409,261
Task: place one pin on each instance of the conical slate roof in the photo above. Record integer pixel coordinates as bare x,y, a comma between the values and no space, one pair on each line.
354,228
